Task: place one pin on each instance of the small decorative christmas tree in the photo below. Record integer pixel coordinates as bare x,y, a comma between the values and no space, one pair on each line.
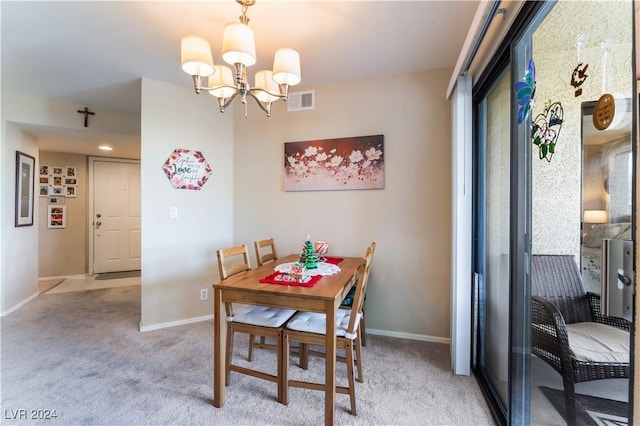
308,256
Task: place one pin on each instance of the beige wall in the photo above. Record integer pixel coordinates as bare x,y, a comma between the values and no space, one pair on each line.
63,252
410,219
178,255
19,244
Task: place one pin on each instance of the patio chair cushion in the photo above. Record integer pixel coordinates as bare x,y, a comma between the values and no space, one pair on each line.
595,342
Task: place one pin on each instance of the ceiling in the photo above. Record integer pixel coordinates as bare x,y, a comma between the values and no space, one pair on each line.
94,53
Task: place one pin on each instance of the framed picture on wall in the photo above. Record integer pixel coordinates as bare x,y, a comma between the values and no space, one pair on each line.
25,165
44,170
56,200
56,190
334,164
57,170
56,216
44,182
71,192
70,171
43,190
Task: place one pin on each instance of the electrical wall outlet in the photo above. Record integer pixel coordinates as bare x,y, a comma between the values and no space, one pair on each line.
204,294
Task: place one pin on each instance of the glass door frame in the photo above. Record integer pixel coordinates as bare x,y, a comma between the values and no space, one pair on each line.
498,409
514,53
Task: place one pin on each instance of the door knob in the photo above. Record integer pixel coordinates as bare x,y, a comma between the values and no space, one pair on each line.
98,223
98,215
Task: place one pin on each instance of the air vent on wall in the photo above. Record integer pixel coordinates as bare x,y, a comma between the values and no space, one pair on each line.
301,101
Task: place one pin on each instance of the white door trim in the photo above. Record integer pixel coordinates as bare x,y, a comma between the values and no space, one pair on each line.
90,195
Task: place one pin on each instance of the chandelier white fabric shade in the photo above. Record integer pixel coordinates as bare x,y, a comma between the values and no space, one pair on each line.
239,50
196,56
222,79
286,67
268,88
238,45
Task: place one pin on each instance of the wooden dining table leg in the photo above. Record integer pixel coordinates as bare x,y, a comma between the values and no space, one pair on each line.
219,352
330,365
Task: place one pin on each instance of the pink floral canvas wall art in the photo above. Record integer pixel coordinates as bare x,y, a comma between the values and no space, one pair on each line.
334,164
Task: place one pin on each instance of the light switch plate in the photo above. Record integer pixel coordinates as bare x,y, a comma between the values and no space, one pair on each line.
173,212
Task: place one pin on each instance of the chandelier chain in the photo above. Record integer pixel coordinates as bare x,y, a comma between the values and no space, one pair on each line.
245,8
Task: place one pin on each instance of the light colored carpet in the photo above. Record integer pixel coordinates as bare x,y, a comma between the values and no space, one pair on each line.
46,285
81,354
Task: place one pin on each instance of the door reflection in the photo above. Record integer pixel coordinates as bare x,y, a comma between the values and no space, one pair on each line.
581,198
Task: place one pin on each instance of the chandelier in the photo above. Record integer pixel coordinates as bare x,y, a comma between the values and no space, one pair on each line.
239,50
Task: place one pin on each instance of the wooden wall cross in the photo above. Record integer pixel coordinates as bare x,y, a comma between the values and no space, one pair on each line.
86,113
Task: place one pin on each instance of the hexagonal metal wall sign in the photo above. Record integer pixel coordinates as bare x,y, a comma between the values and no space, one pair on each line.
187,169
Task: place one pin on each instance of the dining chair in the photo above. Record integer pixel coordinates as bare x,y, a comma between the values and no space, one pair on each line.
265,252
308,328
250,319
263,256
348,301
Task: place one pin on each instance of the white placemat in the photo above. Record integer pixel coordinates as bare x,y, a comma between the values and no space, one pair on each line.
322,269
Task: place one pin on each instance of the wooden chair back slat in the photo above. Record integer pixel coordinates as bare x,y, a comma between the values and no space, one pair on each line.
232,261
361,288
264,257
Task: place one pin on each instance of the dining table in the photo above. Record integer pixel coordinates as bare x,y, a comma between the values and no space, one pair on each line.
324,296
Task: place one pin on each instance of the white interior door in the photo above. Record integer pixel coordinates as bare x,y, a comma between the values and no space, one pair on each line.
116,221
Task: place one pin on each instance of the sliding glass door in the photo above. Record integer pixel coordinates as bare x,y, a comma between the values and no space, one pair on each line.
554,179
501,232
582,204
492,251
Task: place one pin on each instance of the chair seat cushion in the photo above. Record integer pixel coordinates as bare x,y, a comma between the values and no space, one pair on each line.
262,315
313,322
595,342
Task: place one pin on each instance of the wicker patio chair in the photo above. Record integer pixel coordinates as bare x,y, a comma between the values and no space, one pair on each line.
565,317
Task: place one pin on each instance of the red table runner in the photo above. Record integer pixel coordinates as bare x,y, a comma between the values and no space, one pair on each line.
284,279
279,278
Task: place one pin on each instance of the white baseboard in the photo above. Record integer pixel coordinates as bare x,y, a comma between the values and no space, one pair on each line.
21,304
175,323
410,336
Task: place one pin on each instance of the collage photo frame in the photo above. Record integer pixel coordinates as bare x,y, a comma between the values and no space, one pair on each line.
57,183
